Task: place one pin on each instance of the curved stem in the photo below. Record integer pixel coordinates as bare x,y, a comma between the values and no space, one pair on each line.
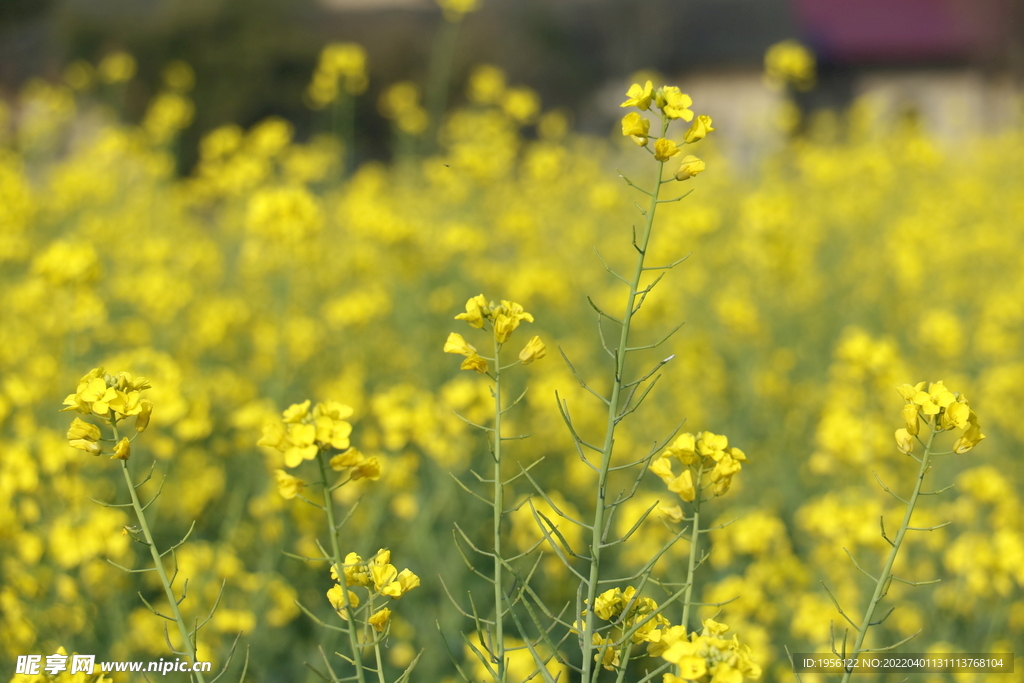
339,562
597,532
158,561
885,578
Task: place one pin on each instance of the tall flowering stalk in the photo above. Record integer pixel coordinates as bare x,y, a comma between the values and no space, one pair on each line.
671,104
321,434
112,399
939,410
501,319
614,624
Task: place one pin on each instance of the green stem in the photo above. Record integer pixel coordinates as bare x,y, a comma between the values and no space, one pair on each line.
694,543
885,578
376,648
353,640
589,670
499,505
157,560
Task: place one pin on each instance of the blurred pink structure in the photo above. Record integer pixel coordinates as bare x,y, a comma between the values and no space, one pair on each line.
885,31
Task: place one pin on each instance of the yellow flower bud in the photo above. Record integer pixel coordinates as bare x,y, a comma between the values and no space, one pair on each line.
636,127
665,149
689,167
971,438
698,129
368,469
337,596
910,415
123,449
380,619
533,350
476,363
85,445
145,412
904,441
80,429
287,485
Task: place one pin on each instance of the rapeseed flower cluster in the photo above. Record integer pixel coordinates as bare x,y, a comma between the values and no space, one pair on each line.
341,69
634,619
705,454
942,410
705,656
379,577
673,104
503,319
110,398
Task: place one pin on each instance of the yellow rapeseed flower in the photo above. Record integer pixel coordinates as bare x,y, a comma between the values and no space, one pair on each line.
477,311
636,127
639,96
380,618
673,103
533,350
456,343
287,485
698,129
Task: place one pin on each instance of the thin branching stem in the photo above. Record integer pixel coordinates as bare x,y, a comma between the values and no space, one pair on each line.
614,409
885,578
190,648
339,562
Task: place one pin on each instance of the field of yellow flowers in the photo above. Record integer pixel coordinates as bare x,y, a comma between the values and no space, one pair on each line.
271,330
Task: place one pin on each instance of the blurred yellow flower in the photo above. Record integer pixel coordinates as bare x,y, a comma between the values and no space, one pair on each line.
116,67
287,485
789,62
904,441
